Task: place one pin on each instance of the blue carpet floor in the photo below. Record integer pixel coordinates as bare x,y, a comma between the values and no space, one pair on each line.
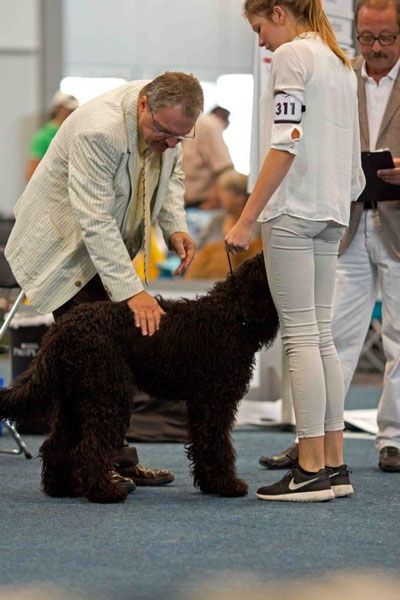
166,542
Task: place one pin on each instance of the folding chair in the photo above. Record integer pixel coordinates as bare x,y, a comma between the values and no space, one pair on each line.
8,282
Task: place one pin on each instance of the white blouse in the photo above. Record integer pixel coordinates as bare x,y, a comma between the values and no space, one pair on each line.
378,95
311,90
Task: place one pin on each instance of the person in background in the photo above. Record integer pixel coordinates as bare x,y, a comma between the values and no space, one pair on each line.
369,255
210,261
204,158
311,172
61,107
222,113
89,206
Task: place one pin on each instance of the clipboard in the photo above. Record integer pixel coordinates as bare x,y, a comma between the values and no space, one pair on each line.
376,189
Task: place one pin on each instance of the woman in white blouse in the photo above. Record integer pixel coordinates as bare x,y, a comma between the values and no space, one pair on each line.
310,175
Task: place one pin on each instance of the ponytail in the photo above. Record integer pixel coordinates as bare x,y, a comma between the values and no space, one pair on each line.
310,11
315,15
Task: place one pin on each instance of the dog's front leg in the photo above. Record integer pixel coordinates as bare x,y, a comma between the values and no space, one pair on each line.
210,448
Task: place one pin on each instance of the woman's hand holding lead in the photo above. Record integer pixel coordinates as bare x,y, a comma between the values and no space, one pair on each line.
238,238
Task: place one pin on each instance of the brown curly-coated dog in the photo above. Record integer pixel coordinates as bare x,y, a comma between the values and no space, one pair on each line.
94,359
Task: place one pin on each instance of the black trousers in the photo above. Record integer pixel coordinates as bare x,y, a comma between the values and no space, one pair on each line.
93,291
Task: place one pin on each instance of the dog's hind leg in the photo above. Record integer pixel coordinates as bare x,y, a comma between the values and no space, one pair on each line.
210,448
59,469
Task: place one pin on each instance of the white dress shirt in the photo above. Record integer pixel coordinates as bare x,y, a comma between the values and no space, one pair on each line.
326,173
377,99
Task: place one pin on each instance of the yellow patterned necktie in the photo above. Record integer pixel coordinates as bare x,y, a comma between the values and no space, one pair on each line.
148,155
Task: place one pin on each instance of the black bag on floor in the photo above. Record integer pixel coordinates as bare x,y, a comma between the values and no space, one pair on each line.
155,420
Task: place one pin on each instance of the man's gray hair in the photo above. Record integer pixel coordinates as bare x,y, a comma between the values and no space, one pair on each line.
379,4
175,88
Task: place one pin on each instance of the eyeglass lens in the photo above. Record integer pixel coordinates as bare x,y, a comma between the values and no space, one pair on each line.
168,134
367,39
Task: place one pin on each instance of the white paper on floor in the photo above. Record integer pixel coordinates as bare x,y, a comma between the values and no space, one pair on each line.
254,412
364,419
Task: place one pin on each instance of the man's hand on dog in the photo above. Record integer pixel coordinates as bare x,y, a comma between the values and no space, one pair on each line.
147,312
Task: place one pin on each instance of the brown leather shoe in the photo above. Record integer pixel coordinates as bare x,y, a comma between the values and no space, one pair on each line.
285,460
143,476
389,459
124,482
127,466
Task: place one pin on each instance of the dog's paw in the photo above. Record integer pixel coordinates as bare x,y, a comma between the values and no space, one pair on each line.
107,496
62,489
63,493
232,488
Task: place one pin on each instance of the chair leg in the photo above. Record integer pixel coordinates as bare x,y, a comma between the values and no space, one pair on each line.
11,314
21,449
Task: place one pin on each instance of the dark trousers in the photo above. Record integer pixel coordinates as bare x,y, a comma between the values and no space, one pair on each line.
93,291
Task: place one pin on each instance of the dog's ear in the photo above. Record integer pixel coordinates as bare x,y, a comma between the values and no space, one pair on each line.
253,282
249,266
253,269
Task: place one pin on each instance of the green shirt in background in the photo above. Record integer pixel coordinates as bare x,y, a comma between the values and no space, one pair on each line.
42,138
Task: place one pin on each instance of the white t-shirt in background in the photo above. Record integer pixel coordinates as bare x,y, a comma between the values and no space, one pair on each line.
377,98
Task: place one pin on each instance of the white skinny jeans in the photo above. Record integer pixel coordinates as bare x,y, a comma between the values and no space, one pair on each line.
300,259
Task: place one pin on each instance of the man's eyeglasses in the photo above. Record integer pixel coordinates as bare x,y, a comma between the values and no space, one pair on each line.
168,134
385,39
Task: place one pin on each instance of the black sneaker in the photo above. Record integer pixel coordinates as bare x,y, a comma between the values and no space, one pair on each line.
298,487
340,481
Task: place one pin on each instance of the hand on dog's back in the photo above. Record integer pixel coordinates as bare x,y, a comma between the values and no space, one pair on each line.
147,312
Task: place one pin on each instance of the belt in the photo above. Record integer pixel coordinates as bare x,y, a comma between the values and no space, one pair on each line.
368,204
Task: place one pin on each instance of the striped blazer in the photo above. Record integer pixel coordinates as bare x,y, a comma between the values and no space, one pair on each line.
69,218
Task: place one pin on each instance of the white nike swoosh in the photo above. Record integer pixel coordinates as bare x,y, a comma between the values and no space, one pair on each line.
295,486
333,474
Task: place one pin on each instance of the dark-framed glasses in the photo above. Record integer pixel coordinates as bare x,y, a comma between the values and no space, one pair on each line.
385,39
168,134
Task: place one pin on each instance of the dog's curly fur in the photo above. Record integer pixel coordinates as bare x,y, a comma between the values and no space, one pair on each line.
94,359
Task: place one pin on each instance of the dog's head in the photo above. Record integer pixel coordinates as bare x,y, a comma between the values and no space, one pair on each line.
249,284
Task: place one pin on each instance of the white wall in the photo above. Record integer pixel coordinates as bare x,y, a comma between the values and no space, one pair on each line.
126,38
140,39
20,92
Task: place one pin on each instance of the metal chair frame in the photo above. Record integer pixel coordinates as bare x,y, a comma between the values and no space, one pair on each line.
21,446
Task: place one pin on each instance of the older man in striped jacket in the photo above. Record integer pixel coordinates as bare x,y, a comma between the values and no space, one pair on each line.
113,169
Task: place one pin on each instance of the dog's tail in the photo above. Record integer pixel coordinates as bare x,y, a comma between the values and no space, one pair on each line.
33,391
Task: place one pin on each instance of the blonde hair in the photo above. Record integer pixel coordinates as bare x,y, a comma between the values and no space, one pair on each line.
172,88
379,4
309,11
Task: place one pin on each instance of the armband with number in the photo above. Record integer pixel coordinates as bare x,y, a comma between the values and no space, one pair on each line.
287,108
